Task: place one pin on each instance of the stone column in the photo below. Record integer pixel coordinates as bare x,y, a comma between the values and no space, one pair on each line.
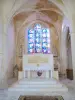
73,52
3,79
63,53
47,74
24,74
29,74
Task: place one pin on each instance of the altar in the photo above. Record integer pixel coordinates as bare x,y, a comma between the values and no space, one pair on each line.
33,84
38,63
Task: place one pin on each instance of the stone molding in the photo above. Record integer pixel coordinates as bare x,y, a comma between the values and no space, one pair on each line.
72,33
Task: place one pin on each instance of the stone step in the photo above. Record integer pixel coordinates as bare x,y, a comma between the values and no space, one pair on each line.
40,81
37,85
51,89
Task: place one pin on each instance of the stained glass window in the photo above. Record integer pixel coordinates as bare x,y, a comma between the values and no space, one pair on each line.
38,40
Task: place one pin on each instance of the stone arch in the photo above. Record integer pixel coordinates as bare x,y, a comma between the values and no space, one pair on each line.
63,46
32,18
15,10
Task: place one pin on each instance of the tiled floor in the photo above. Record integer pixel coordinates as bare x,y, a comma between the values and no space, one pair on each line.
70,95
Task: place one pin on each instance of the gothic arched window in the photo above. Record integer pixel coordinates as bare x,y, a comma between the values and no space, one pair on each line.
38,40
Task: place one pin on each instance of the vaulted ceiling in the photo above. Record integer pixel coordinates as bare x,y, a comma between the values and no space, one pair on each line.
41,8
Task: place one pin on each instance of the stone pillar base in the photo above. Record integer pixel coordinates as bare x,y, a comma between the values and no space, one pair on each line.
69,73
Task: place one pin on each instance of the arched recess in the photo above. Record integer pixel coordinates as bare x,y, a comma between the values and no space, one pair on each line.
16,8
20,41
31,19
